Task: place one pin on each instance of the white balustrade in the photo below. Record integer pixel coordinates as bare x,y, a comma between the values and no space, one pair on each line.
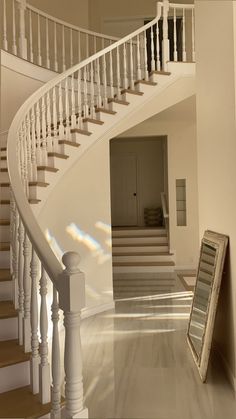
184,38
5,41
39,42
20,282
56,357
165,42
47,46
14,47
22,37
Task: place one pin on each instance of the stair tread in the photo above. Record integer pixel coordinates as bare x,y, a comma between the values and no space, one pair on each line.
4,184
4,169
21,403
12,353
3,149
34,201
67,142
4,222
59,155
165,73
119,101
138,237
5,275
132,92
108,111
47,168
4,246
93,121
148,82
162,263
144,254
3,157
7,310
139,244
80,131
41,184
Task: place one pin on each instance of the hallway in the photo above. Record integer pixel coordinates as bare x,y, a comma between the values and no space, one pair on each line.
137,363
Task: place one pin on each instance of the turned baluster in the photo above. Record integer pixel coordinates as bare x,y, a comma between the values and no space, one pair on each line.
44,133
92,103
15,252
38,135
139,75
47,46
55,47
33,151
14,47
111,74
54,117
71,48
49,124
22,38
63,49
67,110
87,45
94,44
5,41
165,42
60,106
79,48
73,116
85,107
71,300
118,71
20,282
131,64
44,369
175,37
28,147
27,290
184,38
34,360
79,100
56,371
158,65
31,37
39,42
104,80
99,97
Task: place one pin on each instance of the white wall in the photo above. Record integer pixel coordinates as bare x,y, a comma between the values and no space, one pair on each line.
71,11
150,169
82,197
178,124
216,142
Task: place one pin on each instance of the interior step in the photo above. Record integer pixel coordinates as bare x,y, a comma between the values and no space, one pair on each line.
138,232
139,240
8,321
139,248
143,257
21,403
6,290
14,366
126,267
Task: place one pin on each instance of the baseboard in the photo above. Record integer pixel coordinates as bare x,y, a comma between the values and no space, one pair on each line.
91,311
229,373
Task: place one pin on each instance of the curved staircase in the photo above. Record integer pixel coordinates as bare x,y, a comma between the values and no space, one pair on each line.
87,103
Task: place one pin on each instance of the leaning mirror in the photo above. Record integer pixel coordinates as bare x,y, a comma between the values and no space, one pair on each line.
206,292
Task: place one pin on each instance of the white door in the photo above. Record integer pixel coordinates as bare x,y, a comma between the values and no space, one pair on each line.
124,189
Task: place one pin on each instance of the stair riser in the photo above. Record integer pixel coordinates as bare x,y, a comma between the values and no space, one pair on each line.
105,117
14,376
141,249
5,290
56,162
5,192
160,79
8,329
145,88
143,269
142,232
68,150
91,127
4,259
4,211
4,233
138,240
118,107
131,98
44,176
165,258
37,192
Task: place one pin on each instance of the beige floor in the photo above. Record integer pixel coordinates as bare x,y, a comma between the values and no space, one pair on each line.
137,363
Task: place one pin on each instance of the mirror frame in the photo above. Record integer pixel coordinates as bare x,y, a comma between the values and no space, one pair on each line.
219,242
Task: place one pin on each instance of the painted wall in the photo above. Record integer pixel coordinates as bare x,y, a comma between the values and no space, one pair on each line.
73,11
150,169
77,216
179,125
216,143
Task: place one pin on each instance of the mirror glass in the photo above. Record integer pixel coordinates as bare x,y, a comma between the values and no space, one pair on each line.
201,322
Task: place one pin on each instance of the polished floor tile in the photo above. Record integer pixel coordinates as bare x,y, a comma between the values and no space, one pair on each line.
137,363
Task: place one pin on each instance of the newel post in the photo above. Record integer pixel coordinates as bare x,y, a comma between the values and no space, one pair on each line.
165,42
71,288
22,38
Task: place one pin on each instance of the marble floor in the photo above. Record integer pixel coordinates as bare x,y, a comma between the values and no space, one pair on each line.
137,363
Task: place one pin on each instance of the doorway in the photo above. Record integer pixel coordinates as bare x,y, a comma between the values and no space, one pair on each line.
138,176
